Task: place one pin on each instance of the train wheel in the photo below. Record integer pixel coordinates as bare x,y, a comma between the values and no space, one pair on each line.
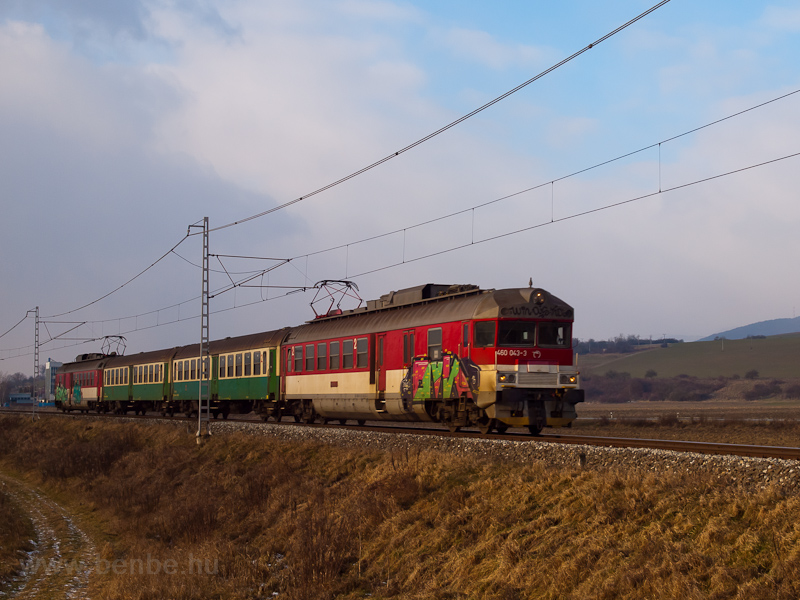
485,425
342,421
215,414
502,428
361,422
538,419
453,428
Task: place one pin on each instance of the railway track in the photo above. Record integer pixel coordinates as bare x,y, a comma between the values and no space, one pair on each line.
782,452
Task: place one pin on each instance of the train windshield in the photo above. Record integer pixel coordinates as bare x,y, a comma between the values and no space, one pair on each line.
554,335
520,334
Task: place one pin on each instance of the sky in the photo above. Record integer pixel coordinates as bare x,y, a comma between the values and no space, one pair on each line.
122,124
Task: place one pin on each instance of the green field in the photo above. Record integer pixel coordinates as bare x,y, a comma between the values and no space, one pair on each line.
774,356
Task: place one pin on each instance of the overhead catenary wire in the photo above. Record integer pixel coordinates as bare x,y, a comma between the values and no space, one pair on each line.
446,127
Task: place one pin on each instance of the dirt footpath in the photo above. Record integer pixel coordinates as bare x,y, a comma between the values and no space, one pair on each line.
60,564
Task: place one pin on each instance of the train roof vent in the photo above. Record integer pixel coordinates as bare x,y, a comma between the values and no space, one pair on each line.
422,292
90,356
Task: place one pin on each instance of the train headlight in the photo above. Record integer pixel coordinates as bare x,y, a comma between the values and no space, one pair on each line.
506,377
569,379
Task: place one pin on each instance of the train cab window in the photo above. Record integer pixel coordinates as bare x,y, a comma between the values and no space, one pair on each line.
310,357
435,343
483,334
362,346
347,354
333,362
238,365
221,367
516,333
322,358
256,363
248,365
554,335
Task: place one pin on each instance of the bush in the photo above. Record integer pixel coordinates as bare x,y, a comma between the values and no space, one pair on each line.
751,374
763,390
793,391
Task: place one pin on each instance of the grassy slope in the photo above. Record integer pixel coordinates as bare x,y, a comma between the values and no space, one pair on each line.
775,356
315,521
16,533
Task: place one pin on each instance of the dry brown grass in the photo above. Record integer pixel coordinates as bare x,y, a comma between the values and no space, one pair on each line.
314,521
16,533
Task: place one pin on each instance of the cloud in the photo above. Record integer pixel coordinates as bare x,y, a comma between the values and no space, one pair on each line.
782,18
482,48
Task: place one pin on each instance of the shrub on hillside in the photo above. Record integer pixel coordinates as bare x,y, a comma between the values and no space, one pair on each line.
751,374
792,392
763,390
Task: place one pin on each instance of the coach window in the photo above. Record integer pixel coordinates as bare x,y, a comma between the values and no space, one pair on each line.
298,359
322,356
256,363
347,354
361,352
125,375
238,365
193,370
333,363
483,334
136,375
180,371
116,376
221,367
435,343
310,357
248,366
265,362
150,375
230,365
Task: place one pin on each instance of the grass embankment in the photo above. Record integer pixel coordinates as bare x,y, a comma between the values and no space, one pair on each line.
16,533
256,515
773,357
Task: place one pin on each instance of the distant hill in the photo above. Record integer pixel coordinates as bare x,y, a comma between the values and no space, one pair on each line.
773,327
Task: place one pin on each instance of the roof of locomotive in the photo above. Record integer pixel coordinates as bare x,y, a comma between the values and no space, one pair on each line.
465,302
79,366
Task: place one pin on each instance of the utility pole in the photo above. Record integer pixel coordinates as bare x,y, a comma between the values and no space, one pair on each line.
34,398
203,397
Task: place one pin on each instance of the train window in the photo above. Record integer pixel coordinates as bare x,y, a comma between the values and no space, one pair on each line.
125,375
554,335
435,343
238,365
221,367
248,365
192,370
516,333
361,352
333,363
483,334
265,362
204,370
151,374
298,359
310,357
322,357
230,365
256,363
465,337
347,354
116,376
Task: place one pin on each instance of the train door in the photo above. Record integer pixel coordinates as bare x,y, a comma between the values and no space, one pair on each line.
464,346
380,363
